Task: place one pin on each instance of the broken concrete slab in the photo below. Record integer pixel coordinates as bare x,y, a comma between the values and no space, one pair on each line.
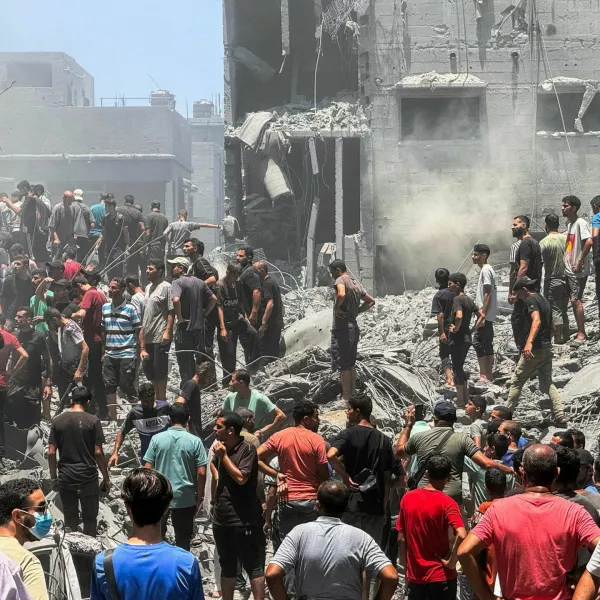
585,383
314,330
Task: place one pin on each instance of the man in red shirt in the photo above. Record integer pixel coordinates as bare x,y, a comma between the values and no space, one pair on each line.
425,516
302,466
535,535
8,345
90,312
72,267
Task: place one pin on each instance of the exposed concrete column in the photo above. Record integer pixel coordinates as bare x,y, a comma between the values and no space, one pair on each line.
339,198
310,243
229,68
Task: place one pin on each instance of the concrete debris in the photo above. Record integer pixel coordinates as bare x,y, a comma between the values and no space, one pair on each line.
434,80
549,85
588,96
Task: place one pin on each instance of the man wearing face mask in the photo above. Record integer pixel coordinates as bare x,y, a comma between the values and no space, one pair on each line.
24,517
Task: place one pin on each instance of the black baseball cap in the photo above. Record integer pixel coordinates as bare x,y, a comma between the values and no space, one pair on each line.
585,456
524,283
56,264
61,283
444,410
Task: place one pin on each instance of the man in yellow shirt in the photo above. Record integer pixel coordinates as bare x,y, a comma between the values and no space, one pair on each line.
24,517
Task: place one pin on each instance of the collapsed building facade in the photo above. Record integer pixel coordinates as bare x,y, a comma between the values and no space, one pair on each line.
401,123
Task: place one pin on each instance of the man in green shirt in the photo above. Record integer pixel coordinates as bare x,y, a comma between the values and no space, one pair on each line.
555,283
181,458
268,417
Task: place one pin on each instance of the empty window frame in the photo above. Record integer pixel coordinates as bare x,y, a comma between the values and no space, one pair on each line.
549,112
443,119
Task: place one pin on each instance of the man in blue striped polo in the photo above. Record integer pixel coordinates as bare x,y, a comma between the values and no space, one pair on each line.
121,325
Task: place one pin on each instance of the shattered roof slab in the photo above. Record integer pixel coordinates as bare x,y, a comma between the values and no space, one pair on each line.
434,80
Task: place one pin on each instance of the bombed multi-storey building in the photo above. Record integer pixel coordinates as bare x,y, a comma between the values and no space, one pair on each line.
407,131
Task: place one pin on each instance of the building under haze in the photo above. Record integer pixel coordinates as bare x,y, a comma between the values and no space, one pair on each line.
436,122
52,133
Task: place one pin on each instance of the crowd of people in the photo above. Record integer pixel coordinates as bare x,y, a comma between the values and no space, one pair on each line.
345,516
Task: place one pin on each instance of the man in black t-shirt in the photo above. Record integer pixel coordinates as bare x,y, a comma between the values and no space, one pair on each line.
528,262
115,236
463,309
536,359
191,392
237,513
32,385
78,438
232,323
17,290
193,249
441,308
134,220
270,315
250,281
365,451
156,223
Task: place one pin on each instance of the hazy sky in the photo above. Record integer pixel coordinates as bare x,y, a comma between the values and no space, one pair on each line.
120,42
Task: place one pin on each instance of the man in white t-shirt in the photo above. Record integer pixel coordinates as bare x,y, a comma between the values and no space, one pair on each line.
486,298
577,259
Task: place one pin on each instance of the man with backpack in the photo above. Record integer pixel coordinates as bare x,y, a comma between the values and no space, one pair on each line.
442,440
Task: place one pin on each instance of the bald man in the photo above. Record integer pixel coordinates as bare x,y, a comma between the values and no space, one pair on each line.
270,315
67,223
536,529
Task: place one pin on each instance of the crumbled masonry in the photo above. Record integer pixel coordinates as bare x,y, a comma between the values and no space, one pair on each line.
398,365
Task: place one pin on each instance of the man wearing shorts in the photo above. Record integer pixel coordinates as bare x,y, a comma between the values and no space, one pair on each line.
121,325
486,298
577,260
345,332
555,285
157,328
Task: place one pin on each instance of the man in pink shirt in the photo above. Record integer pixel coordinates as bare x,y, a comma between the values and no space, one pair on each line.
303,466
535,536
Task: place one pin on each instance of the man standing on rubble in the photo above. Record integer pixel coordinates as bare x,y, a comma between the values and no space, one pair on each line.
441,309
24,517
136,226
528,262
486,298
350,300
366,453
555,285
232,322
250,280
270,315
577,260
179,231
303,465
90,313
536,359
148,417
78,438
156,223
156,333
181,458
193,301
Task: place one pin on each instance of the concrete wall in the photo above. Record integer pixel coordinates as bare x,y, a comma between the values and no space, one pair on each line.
70,84
434,199
78,130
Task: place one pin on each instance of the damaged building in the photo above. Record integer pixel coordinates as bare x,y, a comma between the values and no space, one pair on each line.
399,133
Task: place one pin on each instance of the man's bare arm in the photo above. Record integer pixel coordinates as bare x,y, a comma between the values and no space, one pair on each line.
467,552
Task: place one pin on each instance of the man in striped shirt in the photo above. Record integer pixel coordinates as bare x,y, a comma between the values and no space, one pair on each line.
121,324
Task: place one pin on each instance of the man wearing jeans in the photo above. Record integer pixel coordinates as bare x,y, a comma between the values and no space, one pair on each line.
181,458
78,438
537,353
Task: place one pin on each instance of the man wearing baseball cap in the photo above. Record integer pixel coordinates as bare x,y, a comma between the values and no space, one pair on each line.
536,359
192,300
442,440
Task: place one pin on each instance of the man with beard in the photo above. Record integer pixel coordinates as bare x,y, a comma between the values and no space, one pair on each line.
528,261
24,517
31,388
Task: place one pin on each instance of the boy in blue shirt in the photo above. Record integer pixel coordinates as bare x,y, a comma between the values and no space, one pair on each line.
146,566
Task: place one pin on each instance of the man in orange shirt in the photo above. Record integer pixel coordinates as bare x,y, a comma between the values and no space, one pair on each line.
302,466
